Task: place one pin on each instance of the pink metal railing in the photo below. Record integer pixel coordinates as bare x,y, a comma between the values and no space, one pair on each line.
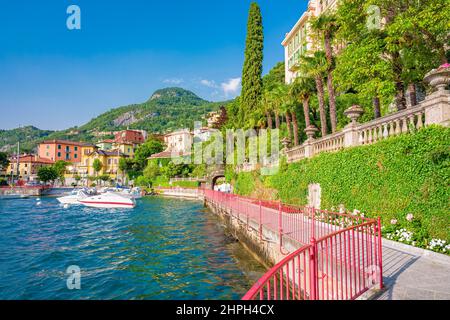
344,261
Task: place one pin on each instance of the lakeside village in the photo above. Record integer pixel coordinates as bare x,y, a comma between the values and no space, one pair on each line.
365,156
105,163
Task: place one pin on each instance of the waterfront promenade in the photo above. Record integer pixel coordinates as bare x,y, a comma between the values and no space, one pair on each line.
409,273
414,274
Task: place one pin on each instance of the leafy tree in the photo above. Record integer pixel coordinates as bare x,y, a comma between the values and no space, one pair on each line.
145,150
172,170
47,173
123,167
199,171
371,77
143,181
4,162
419,31
252,71
152,170
411,40
105,178
97,165
60,167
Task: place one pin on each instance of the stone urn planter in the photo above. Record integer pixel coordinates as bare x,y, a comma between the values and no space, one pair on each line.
354,112
439,78
311,131
286,142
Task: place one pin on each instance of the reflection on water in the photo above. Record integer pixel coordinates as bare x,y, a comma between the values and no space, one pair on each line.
162,249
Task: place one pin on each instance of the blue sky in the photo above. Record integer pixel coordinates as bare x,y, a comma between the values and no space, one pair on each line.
55,78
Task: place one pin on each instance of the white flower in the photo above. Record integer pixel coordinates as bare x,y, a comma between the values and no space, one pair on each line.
393,221
355,212
409,217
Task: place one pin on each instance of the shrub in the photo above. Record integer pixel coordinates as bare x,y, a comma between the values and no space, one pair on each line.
408,174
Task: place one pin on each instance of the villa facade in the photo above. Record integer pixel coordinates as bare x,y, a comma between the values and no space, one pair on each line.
127,141
299,41
27,167
64,150
177,142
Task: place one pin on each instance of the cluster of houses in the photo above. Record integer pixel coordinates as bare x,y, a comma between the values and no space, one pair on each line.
81,156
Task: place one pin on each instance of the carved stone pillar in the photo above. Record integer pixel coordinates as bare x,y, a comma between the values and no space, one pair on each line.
351,134
437,104
309,143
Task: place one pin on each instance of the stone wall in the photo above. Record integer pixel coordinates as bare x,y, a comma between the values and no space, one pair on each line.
267,248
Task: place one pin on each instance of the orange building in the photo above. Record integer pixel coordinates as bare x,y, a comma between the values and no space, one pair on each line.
65,150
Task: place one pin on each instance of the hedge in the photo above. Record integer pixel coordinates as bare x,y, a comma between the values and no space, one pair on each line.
392,178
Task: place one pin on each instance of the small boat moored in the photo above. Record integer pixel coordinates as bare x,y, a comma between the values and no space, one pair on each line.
74,197
108,200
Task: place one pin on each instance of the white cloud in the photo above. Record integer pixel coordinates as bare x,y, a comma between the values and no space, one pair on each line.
173,81
208,83
232,86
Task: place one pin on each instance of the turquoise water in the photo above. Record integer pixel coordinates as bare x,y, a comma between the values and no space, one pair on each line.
162,249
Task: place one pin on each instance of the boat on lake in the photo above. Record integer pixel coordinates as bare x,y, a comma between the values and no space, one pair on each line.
108,200
133,193
74,197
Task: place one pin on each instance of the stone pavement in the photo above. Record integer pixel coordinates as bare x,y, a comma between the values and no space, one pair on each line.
414,274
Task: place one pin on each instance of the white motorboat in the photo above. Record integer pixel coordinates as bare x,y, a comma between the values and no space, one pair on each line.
74,197
135,193
109,200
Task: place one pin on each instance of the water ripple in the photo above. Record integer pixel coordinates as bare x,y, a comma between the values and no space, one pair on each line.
163,249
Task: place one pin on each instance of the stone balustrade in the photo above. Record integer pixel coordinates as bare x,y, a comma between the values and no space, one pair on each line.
435,109
297,153
332,142
394,124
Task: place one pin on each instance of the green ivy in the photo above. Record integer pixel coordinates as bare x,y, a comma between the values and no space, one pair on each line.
397,176
244,183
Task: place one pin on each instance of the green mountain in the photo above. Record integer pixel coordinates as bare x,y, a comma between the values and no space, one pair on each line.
26,135
166,110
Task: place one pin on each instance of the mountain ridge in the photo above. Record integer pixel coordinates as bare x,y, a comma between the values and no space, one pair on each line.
166,109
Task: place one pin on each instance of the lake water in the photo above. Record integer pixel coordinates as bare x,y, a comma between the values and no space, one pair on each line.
162,249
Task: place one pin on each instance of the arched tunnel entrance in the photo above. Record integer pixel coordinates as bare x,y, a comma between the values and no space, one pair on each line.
217,180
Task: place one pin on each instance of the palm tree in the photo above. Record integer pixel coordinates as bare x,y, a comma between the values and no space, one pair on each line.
326,26
294,126
303,88
315,66
267,105
277,95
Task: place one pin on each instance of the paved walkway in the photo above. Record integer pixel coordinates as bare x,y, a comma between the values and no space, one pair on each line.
409,273
414,274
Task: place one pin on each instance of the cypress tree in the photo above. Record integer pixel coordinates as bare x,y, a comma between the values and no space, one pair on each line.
252,71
